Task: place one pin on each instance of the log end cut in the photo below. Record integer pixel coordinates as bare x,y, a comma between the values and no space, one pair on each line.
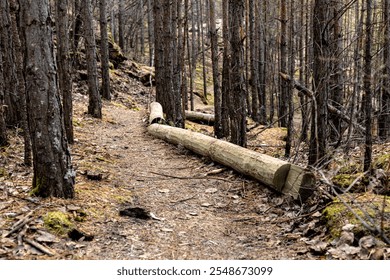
300,183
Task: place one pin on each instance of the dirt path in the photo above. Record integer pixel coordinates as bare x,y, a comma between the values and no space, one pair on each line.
199,216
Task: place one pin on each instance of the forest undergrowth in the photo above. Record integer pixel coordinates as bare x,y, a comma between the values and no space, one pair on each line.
141,198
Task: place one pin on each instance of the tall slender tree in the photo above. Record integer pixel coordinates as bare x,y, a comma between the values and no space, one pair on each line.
104,60
63,59
237,110
367,87
321,48
53,172
384,105
95,103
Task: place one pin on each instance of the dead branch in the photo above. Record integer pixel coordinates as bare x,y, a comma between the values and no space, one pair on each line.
38,246
309,93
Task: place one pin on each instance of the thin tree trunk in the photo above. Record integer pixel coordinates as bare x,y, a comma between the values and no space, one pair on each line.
104,60
64,71
215,64
238,107
150,33
367,87
321,39
384,109
226,86
283,97
290,119
253,63
203,49
121,24
95,104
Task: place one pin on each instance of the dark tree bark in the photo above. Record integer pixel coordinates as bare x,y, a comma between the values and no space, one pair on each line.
336,84
121,24
321,49
168,96
64,71
284,87
95,103
367,87
104,60
290,116
255,82
384,106
237,109
19,60
53,172
226,86
76,32
215,64
150,32
3,131
11,96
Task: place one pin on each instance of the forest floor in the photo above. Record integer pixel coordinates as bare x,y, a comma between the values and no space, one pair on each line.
186,207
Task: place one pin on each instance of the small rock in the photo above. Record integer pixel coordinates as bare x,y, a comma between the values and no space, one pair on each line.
346,237
211,190
348,227
206,205
367,242
319,247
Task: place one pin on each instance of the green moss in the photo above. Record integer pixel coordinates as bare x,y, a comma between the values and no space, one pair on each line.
383,161
336,215
345,180
38,186
77,123
57,222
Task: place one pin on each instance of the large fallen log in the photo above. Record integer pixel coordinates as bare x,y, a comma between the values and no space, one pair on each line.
280,175
200,117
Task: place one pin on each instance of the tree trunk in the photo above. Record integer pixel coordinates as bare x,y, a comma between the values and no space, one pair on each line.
150,33
284,91
367,87
215,64
95,103
11,95
237,109
226,86
64,71
253,63
53,172
384,109
3,130
321,41
121,23
19,60
104,60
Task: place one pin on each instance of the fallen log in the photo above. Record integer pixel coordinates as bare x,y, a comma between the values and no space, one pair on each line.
156,113
200,117
280,175
309,93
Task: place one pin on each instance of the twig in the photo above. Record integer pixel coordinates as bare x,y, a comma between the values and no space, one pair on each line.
39,246
19,226
184,200
190,178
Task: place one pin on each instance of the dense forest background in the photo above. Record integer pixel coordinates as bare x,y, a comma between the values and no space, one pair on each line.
319,70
